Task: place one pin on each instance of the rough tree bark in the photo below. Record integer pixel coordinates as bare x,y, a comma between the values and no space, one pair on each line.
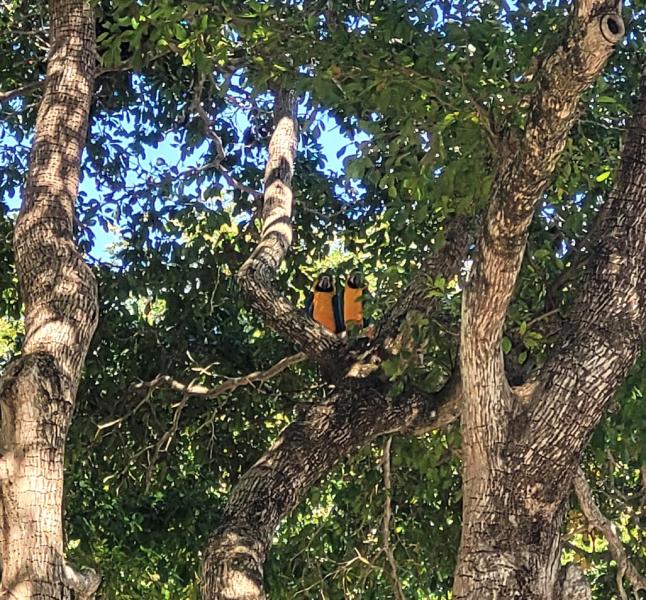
519,454
521,445
38,389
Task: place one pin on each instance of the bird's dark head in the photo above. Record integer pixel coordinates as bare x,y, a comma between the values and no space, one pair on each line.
324,282
355,280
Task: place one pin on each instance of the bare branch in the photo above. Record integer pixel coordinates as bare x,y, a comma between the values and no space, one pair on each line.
206,120
592,512
230,385
217,141
398,593
191,389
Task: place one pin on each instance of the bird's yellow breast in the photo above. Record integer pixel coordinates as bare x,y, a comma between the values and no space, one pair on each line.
323,310
353,306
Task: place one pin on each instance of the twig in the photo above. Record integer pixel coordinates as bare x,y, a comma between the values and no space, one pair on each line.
603,525
217,140
11,94
165,440
385,524
539,318
191,389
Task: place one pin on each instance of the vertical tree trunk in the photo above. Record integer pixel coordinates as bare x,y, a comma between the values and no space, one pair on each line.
507,549
519,466
38,389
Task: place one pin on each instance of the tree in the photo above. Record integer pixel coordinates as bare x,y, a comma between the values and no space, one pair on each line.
38,389
521,446
454,112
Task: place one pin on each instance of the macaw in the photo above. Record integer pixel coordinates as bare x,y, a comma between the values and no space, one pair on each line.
323,304
354,294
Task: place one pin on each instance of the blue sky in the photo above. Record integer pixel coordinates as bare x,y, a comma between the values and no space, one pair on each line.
336,147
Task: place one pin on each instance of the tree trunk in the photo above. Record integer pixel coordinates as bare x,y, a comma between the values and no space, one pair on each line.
506,550
519,466
38,389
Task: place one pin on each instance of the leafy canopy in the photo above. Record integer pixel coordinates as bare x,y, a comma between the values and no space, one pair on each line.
399,101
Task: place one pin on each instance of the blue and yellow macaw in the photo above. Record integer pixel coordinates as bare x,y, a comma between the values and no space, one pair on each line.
323,304
354,294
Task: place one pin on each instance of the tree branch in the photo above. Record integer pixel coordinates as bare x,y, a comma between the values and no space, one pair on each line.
190,389
20,91
597,519
34,85
84,584
446,263
231,384
256,275
525,173
398,593
303,453
603,338
217,141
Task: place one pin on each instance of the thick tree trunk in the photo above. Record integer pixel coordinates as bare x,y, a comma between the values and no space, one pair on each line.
507,550
519,466
38,389
519,455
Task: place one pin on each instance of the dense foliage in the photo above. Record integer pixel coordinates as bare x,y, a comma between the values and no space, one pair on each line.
398,102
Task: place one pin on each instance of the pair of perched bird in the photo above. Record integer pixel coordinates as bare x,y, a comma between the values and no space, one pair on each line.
335,311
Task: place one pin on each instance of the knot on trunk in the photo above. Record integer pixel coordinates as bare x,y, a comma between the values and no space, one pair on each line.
612,27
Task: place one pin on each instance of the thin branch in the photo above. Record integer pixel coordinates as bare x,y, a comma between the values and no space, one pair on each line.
625,568
447,263
542,317
34,85
231,384
385,523
20,91
191,389
165,440
217,141
199,109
